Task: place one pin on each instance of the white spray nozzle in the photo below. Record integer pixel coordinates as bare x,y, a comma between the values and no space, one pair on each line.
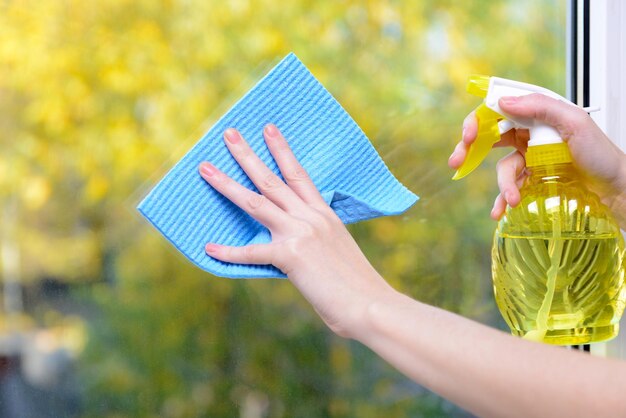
540,133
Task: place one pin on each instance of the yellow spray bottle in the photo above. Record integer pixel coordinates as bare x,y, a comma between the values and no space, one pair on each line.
558,256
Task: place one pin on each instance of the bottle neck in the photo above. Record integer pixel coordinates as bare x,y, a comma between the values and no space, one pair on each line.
549,154
550,163
563,172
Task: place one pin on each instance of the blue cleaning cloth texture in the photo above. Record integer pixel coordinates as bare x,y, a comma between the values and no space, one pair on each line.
331,147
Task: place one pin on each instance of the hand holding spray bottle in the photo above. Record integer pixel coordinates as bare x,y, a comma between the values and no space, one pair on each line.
558,256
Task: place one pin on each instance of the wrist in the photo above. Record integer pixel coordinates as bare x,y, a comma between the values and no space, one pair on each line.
375,315
345,308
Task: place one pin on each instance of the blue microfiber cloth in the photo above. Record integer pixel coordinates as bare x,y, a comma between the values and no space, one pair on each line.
339,158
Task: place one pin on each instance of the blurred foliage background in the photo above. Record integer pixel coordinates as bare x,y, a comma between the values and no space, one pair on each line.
98,99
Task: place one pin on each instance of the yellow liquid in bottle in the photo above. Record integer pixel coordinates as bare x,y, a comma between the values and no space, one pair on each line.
558,262
560,291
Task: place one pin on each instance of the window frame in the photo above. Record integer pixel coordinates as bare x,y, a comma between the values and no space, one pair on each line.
606,61
596,61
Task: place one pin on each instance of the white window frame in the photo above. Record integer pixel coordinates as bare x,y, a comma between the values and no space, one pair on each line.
597,78
607,65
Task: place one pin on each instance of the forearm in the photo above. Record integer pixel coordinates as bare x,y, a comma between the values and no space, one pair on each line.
486,371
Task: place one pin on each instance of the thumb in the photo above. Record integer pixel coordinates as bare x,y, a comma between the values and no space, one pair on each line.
567,119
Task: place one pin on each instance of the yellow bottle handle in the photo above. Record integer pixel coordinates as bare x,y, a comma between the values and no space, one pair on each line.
487,135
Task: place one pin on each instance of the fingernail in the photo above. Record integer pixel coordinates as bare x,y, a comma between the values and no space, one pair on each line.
507,196
271,131
463,133
207,169
509,100
211,248
454,154
232,135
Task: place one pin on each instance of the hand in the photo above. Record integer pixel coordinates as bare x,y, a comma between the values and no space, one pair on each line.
468,363
309,244
600,161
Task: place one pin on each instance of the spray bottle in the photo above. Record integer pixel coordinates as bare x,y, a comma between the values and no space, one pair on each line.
557,257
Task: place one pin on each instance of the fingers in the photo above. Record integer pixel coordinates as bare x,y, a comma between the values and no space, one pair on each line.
249,254
470,129
566,118
254,204
517,138
499,206
268,183
510,170
458,155
293,173
563,116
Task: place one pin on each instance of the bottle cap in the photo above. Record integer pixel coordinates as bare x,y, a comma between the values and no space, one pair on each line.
548,154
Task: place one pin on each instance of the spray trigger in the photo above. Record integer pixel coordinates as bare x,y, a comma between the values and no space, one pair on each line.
487,135
488,129
492,121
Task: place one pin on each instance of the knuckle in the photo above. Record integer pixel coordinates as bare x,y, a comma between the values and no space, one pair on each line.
319,224
309,229
511,161
303,231
576,119
282,146
540,104
248,253
314,229
245,155
270,183
256,201
297,174
542,114
501,164
294,248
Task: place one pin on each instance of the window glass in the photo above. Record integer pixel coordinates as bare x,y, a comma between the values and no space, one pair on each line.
102,317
